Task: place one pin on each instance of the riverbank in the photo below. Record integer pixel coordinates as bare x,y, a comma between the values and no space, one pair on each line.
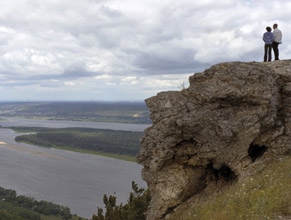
25,122
72,179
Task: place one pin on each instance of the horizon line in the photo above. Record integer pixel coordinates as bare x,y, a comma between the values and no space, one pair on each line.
104,101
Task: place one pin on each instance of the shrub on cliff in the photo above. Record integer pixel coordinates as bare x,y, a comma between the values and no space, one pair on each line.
135,207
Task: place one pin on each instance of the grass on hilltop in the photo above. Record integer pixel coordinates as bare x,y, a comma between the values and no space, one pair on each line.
266,195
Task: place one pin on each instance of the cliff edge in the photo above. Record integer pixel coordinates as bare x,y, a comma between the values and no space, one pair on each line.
227,125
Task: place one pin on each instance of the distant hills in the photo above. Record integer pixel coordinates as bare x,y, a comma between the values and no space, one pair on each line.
119,112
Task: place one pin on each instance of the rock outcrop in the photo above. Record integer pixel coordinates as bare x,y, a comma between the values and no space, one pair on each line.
232,119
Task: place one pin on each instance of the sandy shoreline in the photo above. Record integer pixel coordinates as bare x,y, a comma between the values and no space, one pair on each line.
30,151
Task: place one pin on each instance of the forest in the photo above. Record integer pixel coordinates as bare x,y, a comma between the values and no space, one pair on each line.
14,207
87,140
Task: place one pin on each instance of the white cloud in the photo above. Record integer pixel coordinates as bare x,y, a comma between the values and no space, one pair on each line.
126,50
70,83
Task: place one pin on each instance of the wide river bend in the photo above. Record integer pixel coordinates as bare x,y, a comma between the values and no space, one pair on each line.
75,180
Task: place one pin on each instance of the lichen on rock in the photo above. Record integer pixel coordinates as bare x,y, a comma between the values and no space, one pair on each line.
225,126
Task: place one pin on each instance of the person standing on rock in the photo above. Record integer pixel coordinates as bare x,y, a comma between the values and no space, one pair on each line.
277,40
268,38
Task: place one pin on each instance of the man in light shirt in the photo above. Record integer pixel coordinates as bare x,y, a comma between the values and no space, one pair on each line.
277,40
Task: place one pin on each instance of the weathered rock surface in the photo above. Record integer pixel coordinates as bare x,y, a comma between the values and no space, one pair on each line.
231,120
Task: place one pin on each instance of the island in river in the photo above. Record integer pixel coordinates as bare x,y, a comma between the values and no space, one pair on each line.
72,179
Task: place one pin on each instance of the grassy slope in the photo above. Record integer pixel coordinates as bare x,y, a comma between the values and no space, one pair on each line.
267,195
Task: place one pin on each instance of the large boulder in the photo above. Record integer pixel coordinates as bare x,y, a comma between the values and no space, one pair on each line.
232,119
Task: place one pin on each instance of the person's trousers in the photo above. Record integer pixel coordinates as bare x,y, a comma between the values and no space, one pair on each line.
268,52
276,50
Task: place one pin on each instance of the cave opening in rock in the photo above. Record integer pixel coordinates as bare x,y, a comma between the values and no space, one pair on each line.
255,151
224,173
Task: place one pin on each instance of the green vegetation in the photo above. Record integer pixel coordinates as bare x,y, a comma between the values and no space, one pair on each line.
119,112
13,207
122,144
134,209
263,196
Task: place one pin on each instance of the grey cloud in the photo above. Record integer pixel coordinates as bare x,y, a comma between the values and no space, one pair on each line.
162,64
52,41
76,71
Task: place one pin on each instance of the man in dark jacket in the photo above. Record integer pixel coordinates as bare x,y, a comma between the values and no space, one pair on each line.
268,38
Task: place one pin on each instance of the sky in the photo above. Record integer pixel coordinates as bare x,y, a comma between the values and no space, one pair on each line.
126,50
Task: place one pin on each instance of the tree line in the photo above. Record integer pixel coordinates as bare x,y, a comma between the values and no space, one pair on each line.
98,140
13,207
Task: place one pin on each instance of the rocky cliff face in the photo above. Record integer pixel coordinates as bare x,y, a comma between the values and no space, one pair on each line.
231,120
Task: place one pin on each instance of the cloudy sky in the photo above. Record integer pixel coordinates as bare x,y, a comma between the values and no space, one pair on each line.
126,50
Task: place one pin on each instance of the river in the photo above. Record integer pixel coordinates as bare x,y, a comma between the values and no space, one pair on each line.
72,179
